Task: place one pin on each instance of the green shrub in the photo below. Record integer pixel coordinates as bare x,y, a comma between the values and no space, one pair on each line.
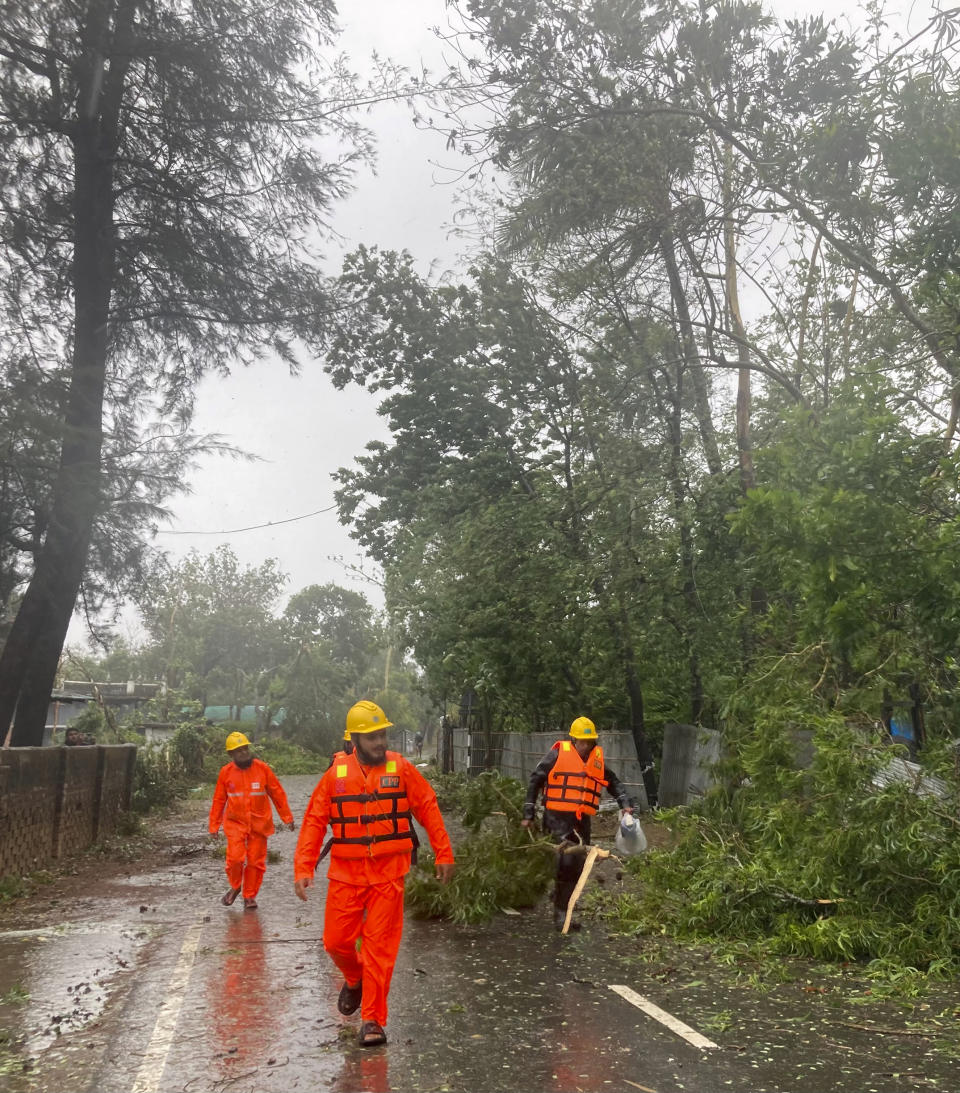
199,748
12,888
449,788
159,778
91,722
287,757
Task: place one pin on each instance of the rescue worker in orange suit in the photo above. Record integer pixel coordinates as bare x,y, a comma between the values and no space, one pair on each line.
572,777
346,750
241,802
369,800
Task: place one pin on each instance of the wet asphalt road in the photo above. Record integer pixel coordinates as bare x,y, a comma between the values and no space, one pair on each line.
142,981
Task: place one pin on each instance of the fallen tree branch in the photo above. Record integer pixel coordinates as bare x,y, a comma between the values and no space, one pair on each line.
789,897
887,1031
592,854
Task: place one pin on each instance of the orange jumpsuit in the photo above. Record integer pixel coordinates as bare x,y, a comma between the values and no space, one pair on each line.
368,864
242,802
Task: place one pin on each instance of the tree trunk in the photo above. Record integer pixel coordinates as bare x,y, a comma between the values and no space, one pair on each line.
748,478
744,448
687,553
620,629
688,347
31,653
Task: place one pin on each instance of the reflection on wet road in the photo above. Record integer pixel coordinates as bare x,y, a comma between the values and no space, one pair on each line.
58,977
147,983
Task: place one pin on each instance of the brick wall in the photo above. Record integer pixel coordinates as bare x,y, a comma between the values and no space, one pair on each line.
116,787
55,802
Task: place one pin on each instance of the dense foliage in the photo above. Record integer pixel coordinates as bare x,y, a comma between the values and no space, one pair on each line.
840,858
499,863
613,487
681,444
166,173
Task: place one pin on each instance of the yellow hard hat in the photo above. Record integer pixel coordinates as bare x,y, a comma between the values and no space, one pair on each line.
237,740
366,716
583,729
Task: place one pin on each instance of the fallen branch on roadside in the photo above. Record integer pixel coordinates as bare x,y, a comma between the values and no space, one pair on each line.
887,1031
592,854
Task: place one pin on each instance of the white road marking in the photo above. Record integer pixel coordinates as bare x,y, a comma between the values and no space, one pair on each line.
672,1023
155,1059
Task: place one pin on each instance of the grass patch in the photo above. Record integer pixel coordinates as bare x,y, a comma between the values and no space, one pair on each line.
13,888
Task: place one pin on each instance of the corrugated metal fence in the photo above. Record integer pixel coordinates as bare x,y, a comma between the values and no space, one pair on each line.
515,755
686,771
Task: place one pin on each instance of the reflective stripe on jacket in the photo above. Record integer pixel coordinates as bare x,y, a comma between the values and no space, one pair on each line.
242,799
368,869
369,817
574,784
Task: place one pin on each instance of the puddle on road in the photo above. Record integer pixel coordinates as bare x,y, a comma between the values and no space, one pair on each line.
166,879
58,978
494,1008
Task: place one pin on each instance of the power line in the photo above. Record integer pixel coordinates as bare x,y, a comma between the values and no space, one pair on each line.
253,527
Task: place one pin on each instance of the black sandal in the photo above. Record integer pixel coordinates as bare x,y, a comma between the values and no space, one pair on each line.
230,896
350,998
375,1033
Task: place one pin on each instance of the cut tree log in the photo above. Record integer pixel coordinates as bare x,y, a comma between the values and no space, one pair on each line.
593,853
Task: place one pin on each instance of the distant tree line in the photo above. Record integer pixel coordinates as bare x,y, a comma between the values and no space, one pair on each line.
215,634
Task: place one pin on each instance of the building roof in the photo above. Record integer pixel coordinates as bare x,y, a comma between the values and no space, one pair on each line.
109,692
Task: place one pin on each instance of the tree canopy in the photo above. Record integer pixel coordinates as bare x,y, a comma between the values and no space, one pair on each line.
693,409
168,177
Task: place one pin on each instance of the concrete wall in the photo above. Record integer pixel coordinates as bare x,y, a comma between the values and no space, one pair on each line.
689,753
55,802
516,754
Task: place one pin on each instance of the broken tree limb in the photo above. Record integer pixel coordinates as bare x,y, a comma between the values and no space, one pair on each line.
592,854
891,1031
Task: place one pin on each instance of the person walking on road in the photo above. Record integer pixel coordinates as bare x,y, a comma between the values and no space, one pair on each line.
241,802
369,800
572,777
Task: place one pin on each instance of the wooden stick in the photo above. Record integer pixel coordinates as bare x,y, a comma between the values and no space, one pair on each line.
890,1031
592,854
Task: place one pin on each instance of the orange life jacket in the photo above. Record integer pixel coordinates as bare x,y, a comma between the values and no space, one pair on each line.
369,816
574,785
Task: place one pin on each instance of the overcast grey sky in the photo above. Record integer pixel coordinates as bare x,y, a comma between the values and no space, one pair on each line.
301,427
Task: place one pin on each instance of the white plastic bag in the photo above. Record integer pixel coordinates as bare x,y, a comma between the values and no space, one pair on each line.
630,838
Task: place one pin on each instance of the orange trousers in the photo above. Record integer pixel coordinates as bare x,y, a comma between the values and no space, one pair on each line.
373,913
245,849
